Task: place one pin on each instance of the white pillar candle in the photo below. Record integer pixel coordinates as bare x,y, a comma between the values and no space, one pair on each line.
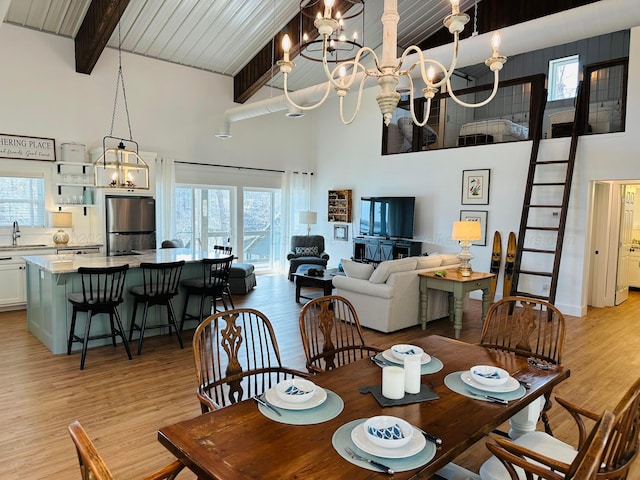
412,364
393,382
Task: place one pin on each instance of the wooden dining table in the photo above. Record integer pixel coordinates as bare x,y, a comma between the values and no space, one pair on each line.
239,442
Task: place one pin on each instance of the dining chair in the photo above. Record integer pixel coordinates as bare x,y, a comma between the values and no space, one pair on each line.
93,467
227,289
236,357
331,334
619,452
527,327
213,280
518,461
160,283
101,294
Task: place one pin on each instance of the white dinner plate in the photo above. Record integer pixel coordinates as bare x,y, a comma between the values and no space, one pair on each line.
388,355
318,398
511,384
415,445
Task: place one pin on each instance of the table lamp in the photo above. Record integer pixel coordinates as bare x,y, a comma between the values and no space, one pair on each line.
60,220
310,218
466,232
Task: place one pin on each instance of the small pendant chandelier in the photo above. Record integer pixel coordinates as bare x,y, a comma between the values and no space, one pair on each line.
119,166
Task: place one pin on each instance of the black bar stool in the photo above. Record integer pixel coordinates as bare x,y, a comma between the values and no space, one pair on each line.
212,284
160,283
227,288
101,293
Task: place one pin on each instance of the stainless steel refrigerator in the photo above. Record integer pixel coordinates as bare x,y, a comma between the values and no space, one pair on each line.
131,224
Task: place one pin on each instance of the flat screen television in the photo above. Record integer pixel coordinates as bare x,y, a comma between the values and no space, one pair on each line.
390,217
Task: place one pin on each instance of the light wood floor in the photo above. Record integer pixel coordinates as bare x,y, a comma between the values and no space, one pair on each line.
122,403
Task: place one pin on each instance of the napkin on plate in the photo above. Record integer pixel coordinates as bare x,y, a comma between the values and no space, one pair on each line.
376,390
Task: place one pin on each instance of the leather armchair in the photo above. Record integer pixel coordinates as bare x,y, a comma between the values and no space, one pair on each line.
306,249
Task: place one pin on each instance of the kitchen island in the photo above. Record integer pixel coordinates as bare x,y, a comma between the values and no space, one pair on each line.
51,278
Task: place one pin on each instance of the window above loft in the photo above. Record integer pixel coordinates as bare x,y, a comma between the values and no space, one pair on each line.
563,78
22,200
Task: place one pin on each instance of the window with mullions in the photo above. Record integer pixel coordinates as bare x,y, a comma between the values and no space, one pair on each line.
22,201
563,77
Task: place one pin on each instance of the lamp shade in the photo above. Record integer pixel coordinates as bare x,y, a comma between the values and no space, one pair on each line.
60,219
308,218
466,231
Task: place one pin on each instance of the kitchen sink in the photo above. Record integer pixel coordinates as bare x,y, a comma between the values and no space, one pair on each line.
19,247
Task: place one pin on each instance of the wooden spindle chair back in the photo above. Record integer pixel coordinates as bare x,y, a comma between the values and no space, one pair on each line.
527,327
331,334
236,357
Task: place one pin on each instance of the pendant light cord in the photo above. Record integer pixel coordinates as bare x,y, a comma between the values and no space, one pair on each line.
118,82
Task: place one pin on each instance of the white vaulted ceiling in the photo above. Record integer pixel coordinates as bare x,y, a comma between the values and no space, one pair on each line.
220,36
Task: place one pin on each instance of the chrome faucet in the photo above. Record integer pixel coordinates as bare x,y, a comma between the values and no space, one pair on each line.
16,234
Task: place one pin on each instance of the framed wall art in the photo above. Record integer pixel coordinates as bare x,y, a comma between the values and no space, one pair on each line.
27,148
477,216
341,232
475,187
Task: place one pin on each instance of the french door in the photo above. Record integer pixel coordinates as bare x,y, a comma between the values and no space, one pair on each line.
261,221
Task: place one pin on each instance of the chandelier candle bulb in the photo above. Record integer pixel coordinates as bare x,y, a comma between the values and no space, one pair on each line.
393,383
286,46
412,366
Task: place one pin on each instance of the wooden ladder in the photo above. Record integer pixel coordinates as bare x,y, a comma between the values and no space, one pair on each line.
546,201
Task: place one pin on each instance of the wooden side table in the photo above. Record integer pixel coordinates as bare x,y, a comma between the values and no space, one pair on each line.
457,286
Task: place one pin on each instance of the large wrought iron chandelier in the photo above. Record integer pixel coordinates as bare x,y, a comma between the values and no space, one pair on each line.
389,69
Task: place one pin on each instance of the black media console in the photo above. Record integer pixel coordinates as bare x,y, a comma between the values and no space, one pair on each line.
376,250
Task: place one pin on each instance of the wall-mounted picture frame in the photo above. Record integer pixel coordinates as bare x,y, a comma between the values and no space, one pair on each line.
27,148
475,187
477,216
341,233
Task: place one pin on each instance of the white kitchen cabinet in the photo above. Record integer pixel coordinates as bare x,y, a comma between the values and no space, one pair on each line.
634,268
13,281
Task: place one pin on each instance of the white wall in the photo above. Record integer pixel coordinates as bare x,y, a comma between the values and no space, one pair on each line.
350,158
175,111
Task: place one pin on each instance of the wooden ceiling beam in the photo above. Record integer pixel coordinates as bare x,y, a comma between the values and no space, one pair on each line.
97,27
260,69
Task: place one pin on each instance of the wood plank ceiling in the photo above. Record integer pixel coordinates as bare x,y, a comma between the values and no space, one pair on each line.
241,38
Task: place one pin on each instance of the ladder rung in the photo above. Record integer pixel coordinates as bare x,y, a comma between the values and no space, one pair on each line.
531,295
543,206
546,229
538,274
551,162
537,250
549,184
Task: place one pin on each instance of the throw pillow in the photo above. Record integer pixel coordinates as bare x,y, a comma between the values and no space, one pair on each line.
381,274
358,270
307,251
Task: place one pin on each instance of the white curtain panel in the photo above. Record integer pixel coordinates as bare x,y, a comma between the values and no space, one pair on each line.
296,188
165,199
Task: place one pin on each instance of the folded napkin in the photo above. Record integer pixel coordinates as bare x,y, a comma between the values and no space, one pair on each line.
376,390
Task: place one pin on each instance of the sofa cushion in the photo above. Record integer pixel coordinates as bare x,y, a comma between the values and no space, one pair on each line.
449,259
381,274
358,270
429,262
307,251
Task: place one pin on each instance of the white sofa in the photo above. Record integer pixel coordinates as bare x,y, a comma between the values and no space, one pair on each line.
387,298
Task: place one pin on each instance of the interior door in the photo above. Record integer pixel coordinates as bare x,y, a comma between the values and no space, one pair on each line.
624,243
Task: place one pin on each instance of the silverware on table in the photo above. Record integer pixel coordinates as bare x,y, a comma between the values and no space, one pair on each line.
378,362
379,465
428,436
489,397
265,404
526,385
